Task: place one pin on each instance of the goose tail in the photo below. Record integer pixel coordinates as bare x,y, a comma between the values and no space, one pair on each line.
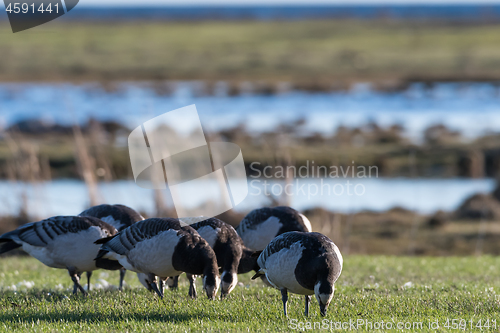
7,245
259,273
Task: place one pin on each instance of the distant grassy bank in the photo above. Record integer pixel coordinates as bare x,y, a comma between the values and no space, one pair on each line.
443,154
310,54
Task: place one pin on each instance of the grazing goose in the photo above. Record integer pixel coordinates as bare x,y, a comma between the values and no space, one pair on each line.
229,249
120,217
162,247
61,242
260,226
303,263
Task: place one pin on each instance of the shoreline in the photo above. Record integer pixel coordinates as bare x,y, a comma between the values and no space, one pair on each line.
264,86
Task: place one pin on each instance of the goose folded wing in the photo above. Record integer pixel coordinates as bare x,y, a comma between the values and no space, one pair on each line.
127,239
283,241
43,232
254,218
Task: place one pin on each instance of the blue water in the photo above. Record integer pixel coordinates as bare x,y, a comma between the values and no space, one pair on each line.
458,12
473,109
70,197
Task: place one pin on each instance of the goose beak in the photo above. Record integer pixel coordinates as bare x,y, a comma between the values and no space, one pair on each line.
322,309
154,286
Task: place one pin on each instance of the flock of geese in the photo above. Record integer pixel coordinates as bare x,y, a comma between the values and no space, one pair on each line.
276,243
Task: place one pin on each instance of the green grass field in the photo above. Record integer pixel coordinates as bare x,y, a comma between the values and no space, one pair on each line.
405,290
298,51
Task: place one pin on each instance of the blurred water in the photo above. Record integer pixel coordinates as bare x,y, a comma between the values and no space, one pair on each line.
470,108
156,10
70,197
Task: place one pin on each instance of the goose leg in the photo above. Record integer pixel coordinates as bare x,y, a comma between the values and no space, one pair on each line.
154,285
122,276
75,277
161,286
308,301
75,286
176,282
89,274
192,286
284,298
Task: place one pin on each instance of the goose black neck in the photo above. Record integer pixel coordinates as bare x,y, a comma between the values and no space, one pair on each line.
248,261
194,259
325,279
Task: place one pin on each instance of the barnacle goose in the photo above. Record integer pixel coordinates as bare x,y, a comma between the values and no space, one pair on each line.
260,226
61,242
120,217
162,247
229,250
303,263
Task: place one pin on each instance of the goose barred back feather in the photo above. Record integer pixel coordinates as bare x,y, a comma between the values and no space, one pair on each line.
226,234
44,232
127,239
294,220
314,243
119,216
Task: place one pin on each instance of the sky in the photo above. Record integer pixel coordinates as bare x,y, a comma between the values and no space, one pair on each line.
274,2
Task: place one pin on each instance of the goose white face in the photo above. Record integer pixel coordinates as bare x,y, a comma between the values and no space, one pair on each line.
211,289
228,282
323,299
